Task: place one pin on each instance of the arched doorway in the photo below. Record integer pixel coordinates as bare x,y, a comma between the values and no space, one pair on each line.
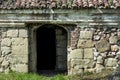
51,43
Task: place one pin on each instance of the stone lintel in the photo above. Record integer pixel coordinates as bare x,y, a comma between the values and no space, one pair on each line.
12,24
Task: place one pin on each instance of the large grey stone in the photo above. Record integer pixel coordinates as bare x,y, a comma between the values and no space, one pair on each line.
23,33
103,45
85,43
6,42
86,34
110,62
12,33
76,54
5,50
88,53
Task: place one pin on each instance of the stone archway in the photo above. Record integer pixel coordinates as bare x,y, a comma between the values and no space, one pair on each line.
51,48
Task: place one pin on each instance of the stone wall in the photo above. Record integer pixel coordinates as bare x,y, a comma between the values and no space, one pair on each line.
13,49
93,49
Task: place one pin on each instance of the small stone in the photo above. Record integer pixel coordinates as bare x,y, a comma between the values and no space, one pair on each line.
23,33
96,54
104,55
114,48
113,39
76,54
97,37
6,42
103,45
99,60
5,64
86,34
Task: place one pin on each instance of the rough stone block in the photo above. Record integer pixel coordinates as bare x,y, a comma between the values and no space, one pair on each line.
77,62
12,33
110,62
20,67
86,34
102,45
23,33
76,54
19,41
88,53
85,43
6,42
89,63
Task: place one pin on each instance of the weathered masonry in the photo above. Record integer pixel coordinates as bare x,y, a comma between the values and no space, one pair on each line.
70,36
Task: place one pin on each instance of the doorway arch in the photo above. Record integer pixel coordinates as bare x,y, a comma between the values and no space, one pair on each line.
51,48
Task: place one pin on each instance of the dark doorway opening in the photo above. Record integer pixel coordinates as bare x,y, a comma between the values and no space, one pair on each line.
46,48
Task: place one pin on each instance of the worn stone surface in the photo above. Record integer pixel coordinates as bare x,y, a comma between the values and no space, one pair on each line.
12,33
88,53
15,59
23,33
20,49
1,59
100,60
76,71
5,64
110,62
19,67
85,43
76,54
86,34
77,62
113,39
114,48
6,42
99,68
19,41
103,45
89,63
5,50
